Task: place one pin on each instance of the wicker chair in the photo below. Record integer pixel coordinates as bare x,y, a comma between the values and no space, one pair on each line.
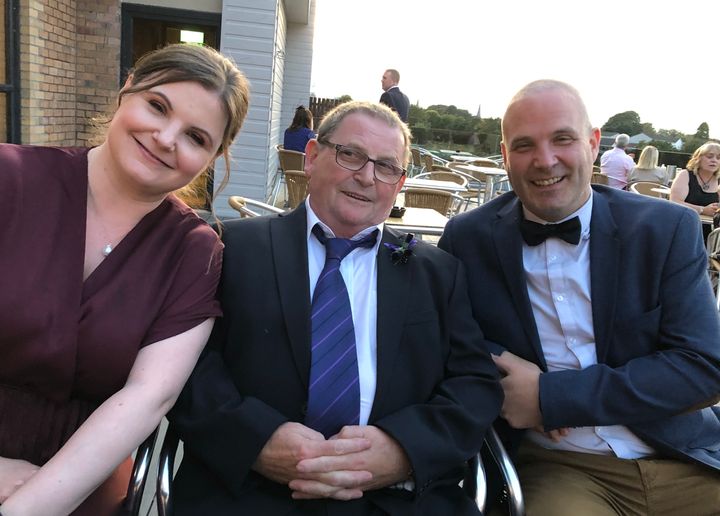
416,166
599,179
645,188
484,162
444,175
439,200
288,160
296,181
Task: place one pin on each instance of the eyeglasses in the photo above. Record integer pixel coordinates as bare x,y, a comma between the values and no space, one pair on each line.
352,159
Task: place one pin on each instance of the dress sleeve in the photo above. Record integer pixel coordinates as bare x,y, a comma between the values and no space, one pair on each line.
192,296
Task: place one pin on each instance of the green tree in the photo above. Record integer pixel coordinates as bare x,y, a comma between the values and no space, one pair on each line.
703,131
344,98
627,122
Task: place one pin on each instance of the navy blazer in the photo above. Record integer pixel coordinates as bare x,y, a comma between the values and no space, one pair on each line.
656,329
397,101
437,389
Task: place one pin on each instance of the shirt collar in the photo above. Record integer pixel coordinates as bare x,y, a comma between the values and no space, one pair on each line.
584,213
313,219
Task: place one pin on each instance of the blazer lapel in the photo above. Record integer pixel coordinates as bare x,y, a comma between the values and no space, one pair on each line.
393,283
604,264
289,254
508,245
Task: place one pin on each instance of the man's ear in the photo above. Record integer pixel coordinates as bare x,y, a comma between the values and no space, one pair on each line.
311,151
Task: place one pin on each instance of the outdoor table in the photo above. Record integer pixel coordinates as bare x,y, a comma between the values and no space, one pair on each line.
434,184
425,221
662,190
493,175
463,157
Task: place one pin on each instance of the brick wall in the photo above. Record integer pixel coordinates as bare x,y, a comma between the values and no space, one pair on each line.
69,59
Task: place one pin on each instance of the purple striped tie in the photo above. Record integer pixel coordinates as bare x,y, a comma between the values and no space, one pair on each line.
334,393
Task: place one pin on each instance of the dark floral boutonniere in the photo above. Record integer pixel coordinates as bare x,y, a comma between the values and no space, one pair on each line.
401,253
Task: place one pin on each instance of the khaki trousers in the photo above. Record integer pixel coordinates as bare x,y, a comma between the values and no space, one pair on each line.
561,483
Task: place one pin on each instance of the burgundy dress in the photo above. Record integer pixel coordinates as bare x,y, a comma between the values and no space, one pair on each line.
66,345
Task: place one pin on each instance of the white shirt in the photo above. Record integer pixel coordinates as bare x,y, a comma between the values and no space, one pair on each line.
359,271
617,165
558,282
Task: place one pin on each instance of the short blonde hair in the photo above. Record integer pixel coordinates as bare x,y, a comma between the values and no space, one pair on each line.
706,147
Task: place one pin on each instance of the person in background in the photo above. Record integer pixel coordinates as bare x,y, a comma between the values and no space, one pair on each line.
347,375
616,164
392,96
108,283
300,131
647,168
697,186
601,317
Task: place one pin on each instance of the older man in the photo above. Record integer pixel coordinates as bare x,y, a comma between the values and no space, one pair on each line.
616,164
608,335
348,376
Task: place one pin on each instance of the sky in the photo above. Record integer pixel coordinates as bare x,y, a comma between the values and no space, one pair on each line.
658,58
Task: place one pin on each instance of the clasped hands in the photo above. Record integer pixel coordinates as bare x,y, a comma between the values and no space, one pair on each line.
357,459
521,386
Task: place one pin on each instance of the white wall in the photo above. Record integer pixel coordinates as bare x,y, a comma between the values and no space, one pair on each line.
248,36
298,65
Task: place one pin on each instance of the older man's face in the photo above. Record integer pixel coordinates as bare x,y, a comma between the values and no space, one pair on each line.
549,152
386,81
348,201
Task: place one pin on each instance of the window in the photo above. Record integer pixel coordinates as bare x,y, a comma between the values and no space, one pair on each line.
9,72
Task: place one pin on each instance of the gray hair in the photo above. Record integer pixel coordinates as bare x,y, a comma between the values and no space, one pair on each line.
332,120
621,140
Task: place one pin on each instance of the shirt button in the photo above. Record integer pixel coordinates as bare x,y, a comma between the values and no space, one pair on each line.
553,258
560,298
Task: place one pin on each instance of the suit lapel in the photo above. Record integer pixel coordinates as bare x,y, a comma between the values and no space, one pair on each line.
508,245
289,244
604,264
393,285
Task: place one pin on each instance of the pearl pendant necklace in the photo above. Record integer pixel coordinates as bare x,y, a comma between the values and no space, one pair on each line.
107,249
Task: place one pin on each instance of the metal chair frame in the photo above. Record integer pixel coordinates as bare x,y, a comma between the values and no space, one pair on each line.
243,206
138,478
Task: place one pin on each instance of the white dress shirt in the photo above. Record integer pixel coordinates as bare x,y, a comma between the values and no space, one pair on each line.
558,282
617,165
359,271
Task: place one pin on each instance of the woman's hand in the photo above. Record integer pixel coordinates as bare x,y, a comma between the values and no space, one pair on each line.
710,209
13,474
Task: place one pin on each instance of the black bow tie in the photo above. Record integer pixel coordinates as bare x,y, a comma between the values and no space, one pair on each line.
535,234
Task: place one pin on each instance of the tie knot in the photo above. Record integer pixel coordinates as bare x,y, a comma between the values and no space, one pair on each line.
339,248
535,234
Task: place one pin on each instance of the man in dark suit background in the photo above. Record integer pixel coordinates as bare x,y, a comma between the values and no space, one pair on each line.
427,387
601,307
392,96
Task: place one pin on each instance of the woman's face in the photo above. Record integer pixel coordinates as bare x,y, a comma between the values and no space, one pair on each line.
162,138
709,162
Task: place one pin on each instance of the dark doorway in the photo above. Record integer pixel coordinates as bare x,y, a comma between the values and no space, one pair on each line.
146,28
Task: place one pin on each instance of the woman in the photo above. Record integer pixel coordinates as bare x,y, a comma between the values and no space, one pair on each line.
300,131
647,168
108,283
697,187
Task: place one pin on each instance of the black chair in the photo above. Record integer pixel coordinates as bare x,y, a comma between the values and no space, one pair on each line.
475,485
138,479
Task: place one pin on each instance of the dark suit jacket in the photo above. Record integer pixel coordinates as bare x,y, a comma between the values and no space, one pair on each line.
437,389
397,101
657,331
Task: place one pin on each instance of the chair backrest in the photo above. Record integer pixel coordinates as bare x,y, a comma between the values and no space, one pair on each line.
140,472
439,200
428,161
599,179
645,188
416,158
296,181
244,206
449,175
484,162
291,160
